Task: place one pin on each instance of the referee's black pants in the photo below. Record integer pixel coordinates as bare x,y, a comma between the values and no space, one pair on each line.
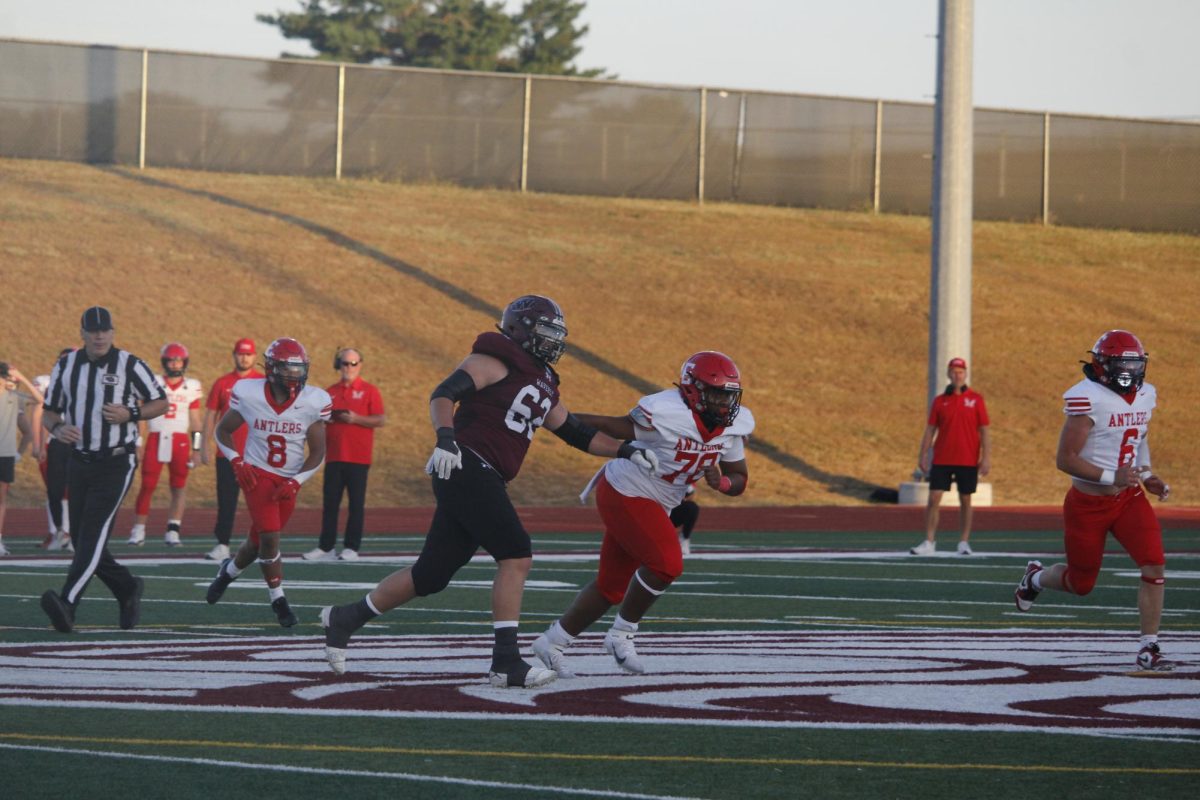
343,477
227,500
97,489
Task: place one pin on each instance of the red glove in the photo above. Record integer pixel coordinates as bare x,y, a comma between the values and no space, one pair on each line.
286,491
246,477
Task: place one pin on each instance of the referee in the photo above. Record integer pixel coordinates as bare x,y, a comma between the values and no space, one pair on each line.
93,405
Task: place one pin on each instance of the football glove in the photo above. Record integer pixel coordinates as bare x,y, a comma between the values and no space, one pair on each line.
286,491
446,456
246,477
640,455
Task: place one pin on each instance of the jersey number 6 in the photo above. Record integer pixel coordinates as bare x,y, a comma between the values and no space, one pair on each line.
520,416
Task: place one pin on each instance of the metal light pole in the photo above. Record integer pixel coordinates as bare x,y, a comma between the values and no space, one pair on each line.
950,295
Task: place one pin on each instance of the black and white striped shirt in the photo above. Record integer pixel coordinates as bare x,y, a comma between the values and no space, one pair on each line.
80,387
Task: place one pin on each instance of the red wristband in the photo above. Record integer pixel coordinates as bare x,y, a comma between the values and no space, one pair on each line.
725,485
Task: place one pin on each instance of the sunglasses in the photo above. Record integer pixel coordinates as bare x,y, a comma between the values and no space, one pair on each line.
351,363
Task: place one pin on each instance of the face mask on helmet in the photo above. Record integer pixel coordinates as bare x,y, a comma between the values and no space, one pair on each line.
287,365
1118,362
174,352
711,386
536,324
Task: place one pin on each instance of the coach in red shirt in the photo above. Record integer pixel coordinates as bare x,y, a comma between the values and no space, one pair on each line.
244,354
958,433
349,441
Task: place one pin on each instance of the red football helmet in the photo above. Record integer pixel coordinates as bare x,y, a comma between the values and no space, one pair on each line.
536,323
711,385
169,353
287,365
1118,362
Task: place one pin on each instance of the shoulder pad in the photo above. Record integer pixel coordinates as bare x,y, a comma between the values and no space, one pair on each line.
498,346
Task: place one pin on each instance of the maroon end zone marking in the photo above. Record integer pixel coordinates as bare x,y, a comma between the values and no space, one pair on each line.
968,679
581,519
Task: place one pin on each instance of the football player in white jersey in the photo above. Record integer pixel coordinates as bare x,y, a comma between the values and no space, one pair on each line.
698,432
170,440
1103,448
282,414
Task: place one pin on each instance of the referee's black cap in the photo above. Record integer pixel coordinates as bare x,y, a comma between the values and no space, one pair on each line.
96,318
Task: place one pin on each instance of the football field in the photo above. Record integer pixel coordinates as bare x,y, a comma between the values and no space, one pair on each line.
782,664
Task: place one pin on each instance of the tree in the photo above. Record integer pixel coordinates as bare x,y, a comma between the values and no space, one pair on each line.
548,40
447,34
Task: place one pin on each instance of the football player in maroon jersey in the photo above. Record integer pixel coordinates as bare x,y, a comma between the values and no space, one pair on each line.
485,414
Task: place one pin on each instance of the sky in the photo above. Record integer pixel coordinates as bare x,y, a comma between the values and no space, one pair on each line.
1131,58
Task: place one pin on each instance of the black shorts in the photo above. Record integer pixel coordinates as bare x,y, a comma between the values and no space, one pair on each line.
967,478
7,469
474,511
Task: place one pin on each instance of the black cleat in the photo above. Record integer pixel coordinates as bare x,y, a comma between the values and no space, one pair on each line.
284,612
131,607
60,612
219,584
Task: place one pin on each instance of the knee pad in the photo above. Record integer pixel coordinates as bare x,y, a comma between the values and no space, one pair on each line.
1079,582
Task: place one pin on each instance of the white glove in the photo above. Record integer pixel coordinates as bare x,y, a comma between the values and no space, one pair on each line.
446,456
639,455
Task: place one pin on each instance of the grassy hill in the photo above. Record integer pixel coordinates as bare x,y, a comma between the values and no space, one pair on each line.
825,312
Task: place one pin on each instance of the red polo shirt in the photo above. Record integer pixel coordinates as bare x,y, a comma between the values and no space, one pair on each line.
344,441
218,400
958,418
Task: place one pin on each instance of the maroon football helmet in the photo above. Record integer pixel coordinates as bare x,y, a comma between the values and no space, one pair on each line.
169,353
711,385
287,365
1118,362
536,324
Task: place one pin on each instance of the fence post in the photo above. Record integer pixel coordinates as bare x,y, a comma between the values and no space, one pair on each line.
700,155
142,118
525,134
878,156
341,109
1046,168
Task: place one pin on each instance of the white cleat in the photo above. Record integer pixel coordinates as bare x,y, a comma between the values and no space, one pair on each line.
552,656
171,539
60,541
619,645
137,539
534,678
336,656
317,554
685,546
964,549
220,552
348,555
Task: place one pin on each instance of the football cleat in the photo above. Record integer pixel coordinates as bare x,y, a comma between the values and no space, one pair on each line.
220,552
1025,594
317,554
171,539
551,655
337,638
523,676
685,545
348,555
1150,659
61,541
619,645
137,538
219,584
283,612
964,549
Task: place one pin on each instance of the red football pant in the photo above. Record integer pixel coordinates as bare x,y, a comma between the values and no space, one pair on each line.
1088,519
637,532
267,515
152,468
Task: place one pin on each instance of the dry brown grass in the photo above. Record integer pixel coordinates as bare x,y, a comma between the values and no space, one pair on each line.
825,312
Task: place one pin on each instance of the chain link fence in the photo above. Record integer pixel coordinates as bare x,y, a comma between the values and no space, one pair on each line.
577,136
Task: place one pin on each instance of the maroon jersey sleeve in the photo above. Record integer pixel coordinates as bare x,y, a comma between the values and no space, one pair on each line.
498,422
